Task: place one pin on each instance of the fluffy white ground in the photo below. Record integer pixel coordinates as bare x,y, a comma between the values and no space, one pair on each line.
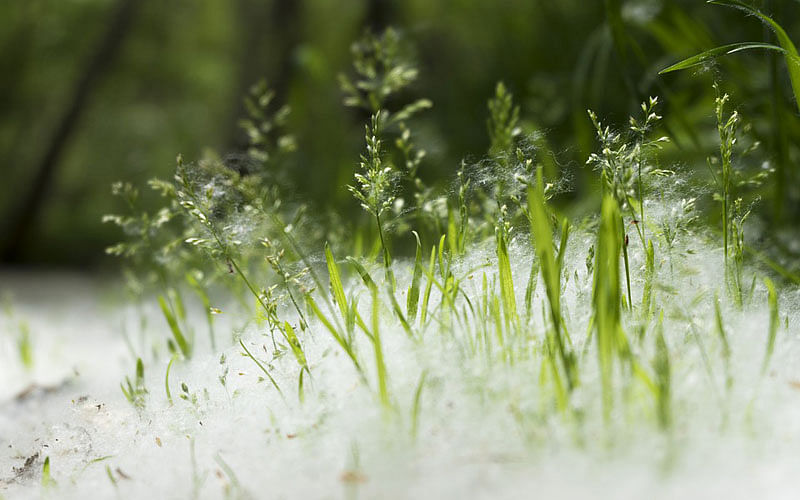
480,433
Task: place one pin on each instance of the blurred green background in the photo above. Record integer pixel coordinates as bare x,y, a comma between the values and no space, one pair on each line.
95,91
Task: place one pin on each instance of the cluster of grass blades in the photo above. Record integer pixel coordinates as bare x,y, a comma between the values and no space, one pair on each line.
600,339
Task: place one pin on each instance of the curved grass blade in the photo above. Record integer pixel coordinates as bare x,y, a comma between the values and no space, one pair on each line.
506,280
550,264
412,302
790,50
717,52
345,345
774,320
336,281
166,379
180,339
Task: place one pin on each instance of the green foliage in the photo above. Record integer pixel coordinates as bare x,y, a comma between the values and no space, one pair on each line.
503,122
412,301
774,323
551,268
606,298
623,161
263,125
180,339
24,346
231,232
374,188
663,378
383,67
47,479
786,46
135,391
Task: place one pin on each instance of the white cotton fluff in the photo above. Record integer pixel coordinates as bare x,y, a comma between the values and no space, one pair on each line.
482,430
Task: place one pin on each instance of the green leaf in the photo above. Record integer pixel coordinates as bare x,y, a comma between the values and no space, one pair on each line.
506,280
774,320
294,343
413,291
791,55
336,282
333,331
47,480
362,271
428,287
173,326
717,52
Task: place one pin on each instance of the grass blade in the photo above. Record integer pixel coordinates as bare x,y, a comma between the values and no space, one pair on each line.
180,339
724,50
774,320
415,409
336,282
506,280
380,364
791,55
412,302
294,343
166,380
345,345
606,299
428,287
551,271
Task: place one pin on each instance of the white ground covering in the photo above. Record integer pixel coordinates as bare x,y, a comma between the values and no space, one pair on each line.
340,444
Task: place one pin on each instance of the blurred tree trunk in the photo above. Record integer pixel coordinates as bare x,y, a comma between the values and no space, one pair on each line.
380,15
270,35
25,217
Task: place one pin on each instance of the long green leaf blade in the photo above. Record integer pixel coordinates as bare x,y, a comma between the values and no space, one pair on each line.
717,52
183,345
790,50
412,302
336,281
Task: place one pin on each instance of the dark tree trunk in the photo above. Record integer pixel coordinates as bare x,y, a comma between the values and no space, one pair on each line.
380,15
270,34
24,218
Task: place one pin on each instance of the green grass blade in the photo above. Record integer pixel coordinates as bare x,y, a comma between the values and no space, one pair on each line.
166,379
663,377
428,287
336,282
506,280
710,55
180,339
550,267
363,273
380,364
412,301
47,480
774,320
726,347
345,345
790,50
295,345
415,409
606,298
649,276
529,289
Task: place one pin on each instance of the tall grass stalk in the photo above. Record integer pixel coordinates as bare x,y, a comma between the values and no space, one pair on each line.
606,305
550,266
